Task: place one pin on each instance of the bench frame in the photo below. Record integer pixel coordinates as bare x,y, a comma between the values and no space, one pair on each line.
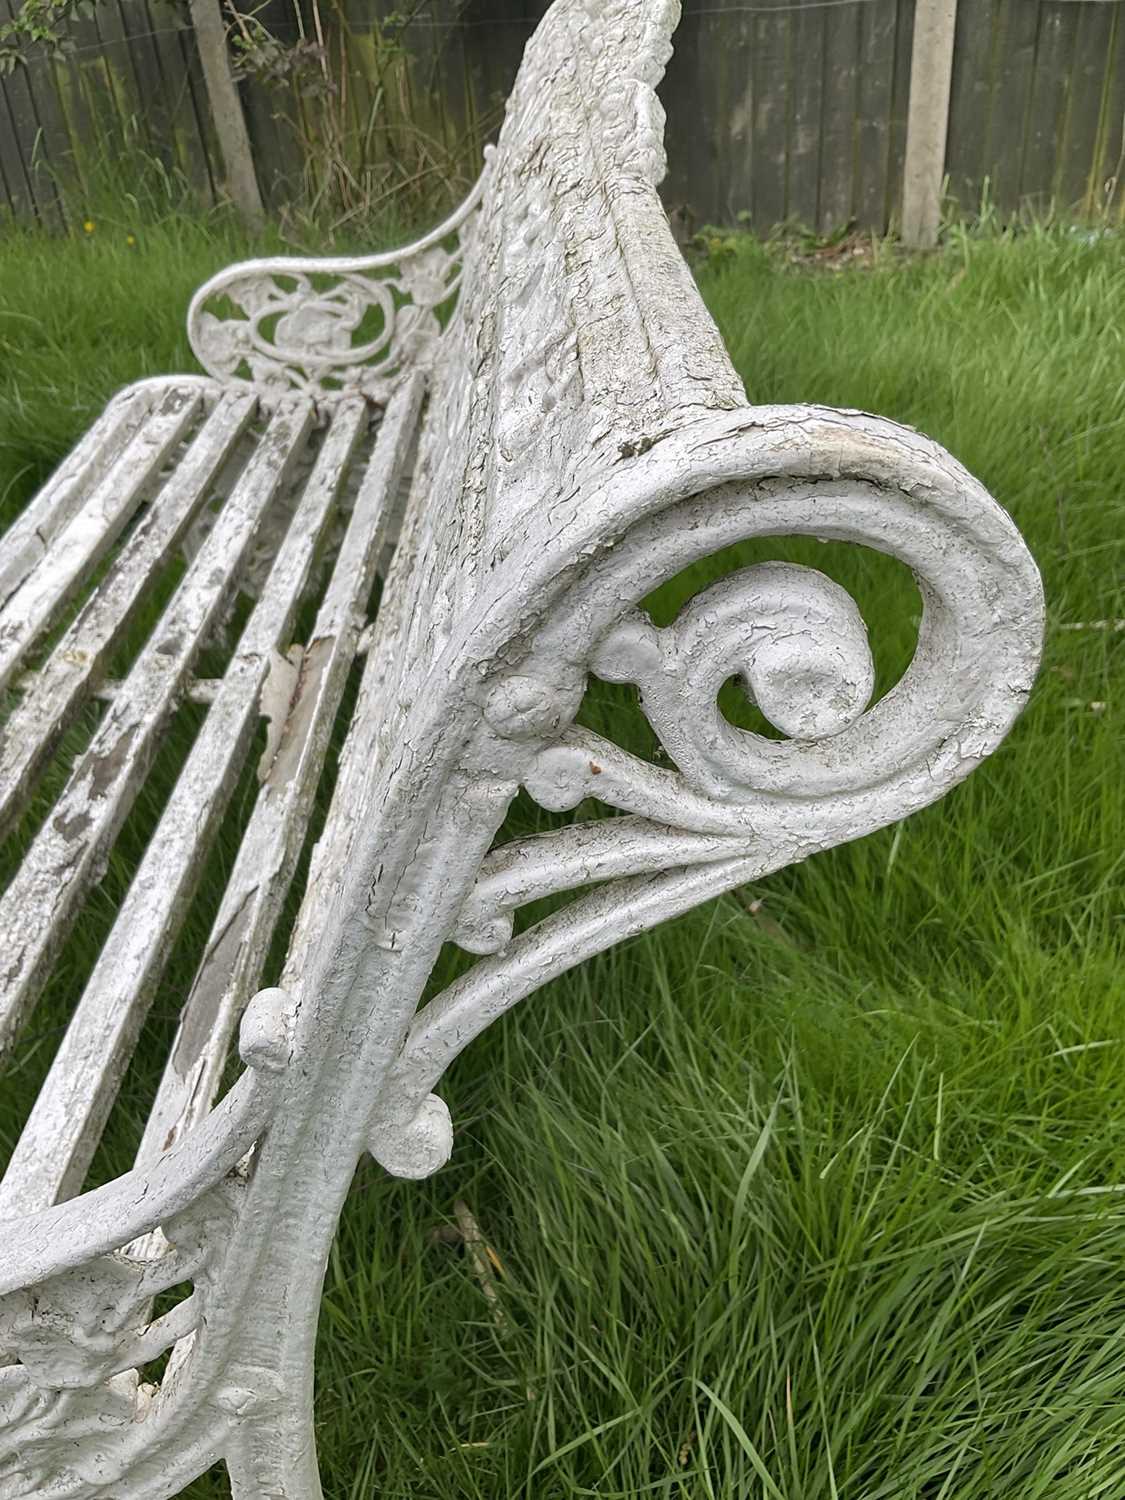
338,1058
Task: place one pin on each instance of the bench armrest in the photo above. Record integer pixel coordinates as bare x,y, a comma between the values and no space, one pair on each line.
334,325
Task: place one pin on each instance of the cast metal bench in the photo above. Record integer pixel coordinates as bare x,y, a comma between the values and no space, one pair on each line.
580,436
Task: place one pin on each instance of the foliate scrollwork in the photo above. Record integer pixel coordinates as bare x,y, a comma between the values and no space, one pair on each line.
78,1423
78,1328
79,1282
732,806
798,645
583,854
727,805
343,325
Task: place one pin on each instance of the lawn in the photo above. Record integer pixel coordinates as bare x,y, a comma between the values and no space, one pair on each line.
820,1190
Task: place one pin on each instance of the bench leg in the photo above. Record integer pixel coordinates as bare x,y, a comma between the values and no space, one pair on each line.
252,1237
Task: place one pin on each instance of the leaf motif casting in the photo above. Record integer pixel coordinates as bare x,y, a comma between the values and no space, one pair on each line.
76,1306
334,326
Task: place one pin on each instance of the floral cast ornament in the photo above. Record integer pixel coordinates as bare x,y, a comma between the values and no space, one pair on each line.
334,326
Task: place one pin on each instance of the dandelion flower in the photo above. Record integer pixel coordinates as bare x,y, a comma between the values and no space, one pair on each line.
130,239
89,226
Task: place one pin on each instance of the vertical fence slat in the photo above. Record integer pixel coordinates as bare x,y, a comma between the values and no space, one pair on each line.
1087,76
127,128
19,130
899,108
55,137
1108,188
185,149
66,79
151,100
7,200
180,60
726,75
975,67
141,104
1048,115
94,117
876,83
727,71
1020,23
804,150
272,115
692,179
768,117
35,115
11,162
838,116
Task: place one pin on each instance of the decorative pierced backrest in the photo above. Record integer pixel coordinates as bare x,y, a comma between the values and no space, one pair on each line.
331,327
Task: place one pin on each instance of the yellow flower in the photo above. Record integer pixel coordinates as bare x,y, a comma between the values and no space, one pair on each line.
89,226
130,239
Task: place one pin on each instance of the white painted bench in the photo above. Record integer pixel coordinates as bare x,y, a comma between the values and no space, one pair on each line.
582,437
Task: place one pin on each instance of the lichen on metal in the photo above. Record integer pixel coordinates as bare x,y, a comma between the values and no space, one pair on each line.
586,439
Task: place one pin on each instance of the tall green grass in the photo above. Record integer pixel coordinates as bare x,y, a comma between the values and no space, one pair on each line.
826,1201
86,312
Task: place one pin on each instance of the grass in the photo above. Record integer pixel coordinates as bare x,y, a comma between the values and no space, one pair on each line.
823,1202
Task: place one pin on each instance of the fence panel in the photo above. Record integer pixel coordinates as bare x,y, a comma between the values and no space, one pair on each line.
131,84
779,110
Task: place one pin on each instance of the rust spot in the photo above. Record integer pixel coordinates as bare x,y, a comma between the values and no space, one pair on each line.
105,768
314,663
73,827
215,974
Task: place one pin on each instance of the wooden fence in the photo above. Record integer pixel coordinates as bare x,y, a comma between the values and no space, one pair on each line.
778,109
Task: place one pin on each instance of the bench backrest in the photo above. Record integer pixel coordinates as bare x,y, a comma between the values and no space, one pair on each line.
587,436
579,339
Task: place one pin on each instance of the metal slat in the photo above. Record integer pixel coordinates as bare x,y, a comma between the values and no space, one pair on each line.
89,535
244,925
62,1132
27,539
360,752
63,860
73,669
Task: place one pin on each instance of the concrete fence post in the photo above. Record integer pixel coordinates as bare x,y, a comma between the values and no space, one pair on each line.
931,74
226,111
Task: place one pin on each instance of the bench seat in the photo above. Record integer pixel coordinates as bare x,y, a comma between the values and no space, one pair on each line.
266,499
506,435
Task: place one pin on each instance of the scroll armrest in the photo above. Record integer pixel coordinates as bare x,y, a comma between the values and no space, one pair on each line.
723,805
331,326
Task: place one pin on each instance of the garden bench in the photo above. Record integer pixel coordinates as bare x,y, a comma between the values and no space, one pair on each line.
575,436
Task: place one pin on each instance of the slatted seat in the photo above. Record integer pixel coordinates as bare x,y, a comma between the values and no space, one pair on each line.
280,461
575,436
